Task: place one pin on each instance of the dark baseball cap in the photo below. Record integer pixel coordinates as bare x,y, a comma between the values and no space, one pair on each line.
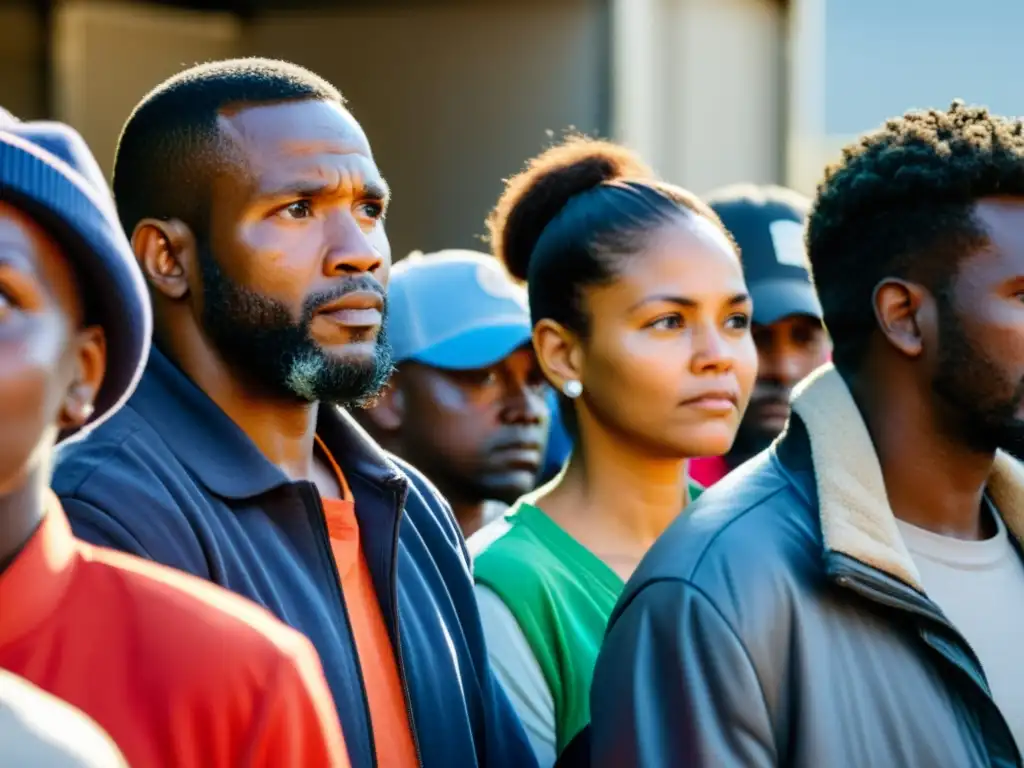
767,222
47,171
456,310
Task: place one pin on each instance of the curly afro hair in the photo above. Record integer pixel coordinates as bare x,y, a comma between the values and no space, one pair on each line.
899,203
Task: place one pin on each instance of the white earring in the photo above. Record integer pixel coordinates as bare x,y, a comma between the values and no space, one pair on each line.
87,411
572,389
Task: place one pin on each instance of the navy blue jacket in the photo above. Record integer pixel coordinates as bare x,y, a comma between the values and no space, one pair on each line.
171,478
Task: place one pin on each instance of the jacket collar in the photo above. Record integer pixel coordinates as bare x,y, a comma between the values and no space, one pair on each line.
856,519
215,449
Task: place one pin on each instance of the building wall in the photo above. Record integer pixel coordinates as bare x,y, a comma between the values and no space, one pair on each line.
22,59
700,88
108,55
454,97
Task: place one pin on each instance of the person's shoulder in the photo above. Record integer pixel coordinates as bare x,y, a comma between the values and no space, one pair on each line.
420,488
509,558
427,507
744,536
507,542
124,450
179,620
496,537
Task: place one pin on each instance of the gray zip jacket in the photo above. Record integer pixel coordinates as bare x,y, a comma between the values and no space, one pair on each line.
782,622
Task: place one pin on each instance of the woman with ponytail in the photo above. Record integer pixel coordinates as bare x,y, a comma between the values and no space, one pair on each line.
641,321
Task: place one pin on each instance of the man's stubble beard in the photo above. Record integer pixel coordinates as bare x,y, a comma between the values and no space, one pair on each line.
259,339
973,389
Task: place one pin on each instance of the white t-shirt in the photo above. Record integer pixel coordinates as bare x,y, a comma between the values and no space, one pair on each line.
40,731
979,585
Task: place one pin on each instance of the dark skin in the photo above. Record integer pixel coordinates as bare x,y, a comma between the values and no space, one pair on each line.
787,351
299,211
50,370
479,435
935,457
667,370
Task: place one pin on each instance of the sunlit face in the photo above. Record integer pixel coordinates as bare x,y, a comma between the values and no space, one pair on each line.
481,432
50,368
787,350
297,264
669,361
979,370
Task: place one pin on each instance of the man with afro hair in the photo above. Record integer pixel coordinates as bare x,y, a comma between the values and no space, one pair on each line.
851,597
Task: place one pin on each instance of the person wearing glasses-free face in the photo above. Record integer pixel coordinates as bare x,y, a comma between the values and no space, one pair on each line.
641,319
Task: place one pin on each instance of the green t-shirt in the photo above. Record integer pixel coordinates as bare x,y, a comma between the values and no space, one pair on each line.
561,596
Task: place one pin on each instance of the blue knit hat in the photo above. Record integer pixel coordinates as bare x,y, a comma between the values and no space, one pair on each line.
47,171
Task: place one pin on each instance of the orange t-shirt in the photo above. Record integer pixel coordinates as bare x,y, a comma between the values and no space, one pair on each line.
177,670
391,732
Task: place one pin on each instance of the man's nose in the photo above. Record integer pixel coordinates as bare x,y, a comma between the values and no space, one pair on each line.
350,250
786,369
525,404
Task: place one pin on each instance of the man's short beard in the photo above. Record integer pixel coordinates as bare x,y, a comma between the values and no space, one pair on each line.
981,406
258,337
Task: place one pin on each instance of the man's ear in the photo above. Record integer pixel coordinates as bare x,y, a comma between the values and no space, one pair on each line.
905,314
558,352
387,412
166,251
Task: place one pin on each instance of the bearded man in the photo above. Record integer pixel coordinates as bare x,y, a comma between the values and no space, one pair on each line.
256,211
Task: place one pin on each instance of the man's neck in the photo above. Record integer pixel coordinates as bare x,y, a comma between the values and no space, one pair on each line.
469,514
932,480
21,511
282,430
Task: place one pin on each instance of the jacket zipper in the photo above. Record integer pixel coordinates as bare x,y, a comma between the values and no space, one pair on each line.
399,656
326,538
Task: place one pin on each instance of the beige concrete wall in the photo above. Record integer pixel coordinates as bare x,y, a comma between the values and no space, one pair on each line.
809,149
22,41
700,88
454,97
108,55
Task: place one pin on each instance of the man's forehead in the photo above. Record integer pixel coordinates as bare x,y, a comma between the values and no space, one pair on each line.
1001,217
268,132
300,147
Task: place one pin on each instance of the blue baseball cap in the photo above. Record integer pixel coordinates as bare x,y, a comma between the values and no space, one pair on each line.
455,309
47,171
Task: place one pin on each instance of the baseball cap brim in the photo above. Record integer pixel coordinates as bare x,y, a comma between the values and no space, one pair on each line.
776,299
474,348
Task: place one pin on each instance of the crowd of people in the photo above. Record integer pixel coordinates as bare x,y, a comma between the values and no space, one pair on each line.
660,481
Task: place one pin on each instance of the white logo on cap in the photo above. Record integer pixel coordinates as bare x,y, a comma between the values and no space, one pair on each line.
788,242
493,282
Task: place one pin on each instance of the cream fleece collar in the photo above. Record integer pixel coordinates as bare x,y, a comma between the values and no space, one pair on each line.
856,518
